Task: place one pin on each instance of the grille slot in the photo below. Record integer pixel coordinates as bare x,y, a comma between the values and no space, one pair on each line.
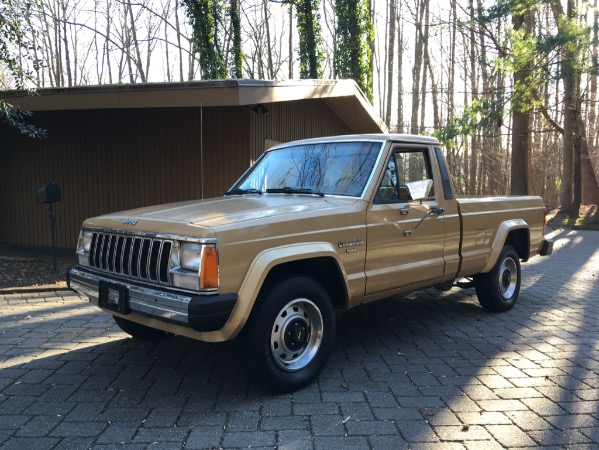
132,257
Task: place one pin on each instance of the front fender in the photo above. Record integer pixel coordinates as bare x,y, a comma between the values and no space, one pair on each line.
503,231
258,271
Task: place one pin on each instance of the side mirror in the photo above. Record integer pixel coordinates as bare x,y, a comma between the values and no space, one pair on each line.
419,190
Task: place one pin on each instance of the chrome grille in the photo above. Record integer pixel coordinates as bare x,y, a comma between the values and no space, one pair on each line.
137,257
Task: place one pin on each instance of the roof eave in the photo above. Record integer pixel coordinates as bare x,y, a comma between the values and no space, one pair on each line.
343,97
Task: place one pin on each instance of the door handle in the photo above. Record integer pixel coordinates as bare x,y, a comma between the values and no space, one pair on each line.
430,212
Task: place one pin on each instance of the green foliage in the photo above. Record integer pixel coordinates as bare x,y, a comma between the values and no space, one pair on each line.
574,40
355,33
237,59
15,118
505,8
482,114
535,56
205,17
13,44
308,25
14,50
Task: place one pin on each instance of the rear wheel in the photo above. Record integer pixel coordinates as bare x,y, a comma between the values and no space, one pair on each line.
498,289
138,330
289,335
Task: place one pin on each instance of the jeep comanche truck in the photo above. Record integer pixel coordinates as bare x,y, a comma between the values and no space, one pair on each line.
312,227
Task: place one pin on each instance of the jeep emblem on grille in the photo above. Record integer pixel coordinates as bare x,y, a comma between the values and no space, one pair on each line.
130,221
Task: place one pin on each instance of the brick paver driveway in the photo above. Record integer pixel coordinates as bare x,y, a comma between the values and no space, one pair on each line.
427,370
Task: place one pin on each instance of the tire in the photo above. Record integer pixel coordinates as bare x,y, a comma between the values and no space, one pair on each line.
498,289
138,330
289,336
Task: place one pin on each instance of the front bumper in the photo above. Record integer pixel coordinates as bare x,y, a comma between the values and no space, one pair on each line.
198,312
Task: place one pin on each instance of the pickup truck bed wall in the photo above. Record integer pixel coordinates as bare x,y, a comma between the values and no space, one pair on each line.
486,222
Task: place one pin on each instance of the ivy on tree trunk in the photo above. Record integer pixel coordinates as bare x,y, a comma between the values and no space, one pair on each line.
237,66
308,26
205,16
354,36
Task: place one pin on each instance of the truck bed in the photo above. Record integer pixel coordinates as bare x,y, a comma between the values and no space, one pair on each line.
482,219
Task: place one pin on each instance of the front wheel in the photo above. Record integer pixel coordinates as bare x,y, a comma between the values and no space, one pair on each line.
498,289
289,335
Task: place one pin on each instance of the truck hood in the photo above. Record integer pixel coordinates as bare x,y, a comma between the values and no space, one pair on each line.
224,211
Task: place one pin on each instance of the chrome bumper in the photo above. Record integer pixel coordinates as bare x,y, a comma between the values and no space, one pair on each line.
199,312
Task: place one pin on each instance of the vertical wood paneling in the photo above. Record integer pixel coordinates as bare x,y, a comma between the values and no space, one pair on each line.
110,160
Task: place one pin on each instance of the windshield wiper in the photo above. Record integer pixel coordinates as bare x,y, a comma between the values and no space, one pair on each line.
243,191
290,190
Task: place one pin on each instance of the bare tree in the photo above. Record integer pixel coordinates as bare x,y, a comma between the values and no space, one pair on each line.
391,56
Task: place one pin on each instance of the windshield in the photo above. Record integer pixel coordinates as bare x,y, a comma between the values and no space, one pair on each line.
333,168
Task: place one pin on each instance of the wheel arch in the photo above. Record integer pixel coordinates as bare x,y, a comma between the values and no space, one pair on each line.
515,232
520,240
323,269
318,260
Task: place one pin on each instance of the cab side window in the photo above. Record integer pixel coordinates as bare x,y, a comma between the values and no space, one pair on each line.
404,166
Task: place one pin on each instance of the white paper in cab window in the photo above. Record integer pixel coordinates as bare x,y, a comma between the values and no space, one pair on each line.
420,189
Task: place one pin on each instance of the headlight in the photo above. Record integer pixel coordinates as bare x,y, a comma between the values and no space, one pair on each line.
83,247
190,255
197,267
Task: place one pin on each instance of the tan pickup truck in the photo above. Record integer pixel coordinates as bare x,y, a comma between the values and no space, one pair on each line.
312,227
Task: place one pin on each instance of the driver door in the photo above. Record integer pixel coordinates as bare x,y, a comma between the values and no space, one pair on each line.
395,260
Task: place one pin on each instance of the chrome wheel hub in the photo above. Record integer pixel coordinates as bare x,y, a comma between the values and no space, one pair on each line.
296,335
508,278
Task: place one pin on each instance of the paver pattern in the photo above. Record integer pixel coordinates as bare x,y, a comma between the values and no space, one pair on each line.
429,370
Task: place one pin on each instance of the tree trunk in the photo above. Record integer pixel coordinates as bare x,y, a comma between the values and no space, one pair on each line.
178,34
475,94
270,69
166,13
417,68
451,156
571,102
390,54
106,46
137,61
290,41
520,124
592,138
590,187
425,69
400,121
67,56
577,194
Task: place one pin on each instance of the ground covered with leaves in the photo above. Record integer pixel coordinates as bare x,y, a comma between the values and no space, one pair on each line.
31,267
585,221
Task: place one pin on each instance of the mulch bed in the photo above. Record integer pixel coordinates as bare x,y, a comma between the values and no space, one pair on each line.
22,267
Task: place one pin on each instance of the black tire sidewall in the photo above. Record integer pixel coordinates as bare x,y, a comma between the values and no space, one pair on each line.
488,288
257,354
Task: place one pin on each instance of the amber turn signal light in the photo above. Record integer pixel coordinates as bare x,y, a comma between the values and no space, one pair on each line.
209,268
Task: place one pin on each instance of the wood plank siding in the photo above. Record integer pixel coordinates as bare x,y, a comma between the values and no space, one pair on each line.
108,160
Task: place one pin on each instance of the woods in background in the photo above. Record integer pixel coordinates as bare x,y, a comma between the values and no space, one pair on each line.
509,87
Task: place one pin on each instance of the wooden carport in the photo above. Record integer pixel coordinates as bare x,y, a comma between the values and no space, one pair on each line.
119,147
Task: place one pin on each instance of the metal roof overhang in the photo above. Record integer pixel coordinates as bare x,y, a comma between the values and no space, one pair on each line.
343,97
